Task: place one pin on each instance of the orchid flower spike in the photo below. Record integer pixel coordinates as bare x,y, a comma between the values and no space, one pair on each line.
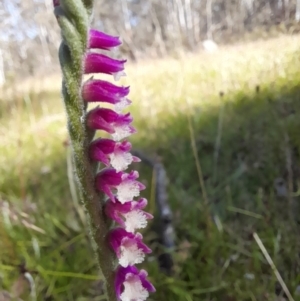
100,164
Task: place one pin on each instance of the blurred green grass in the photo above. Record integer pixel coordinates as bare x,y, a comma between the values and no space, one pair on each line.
237,110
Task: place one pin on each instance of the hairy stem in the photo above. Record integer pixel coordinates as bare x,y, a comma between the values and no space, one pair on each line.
73,19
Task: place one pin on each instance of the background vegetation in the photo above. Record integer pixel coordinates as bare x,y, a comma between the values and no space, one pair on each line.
149,28
234,113
225,125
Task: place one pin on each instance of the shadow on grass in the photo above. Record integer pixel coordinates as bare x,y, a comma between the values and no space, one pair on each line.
249,155
248,149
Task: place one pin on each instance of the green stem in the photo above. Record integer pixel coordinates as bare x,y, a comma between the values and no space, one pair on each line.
73,20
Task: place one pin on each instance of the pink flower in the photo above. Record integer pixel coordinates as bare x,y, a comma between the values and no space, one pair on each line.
120,187
102,91
100,63
112,122
125,183
128,247
99,90
101,40
128,215
111,152
132,284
